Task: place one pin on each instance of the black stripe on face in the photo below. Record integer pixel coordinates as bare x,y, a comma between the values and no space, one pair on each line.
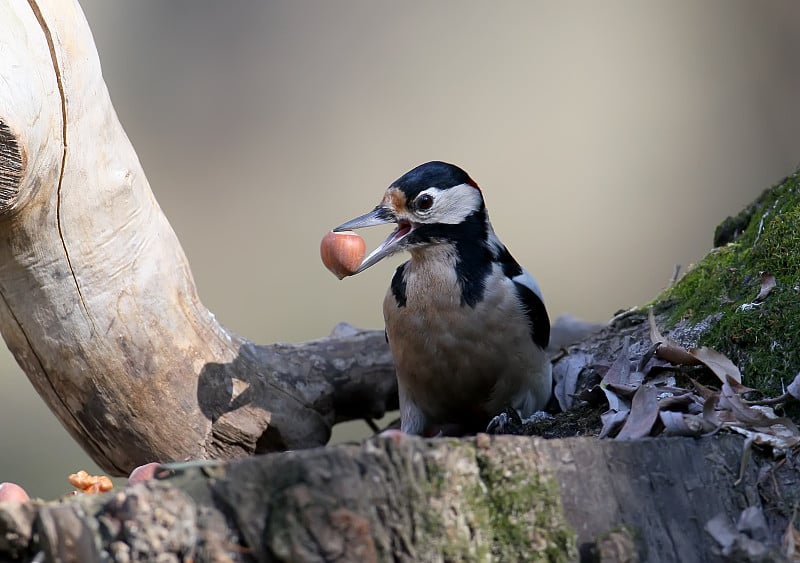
537,315
399,286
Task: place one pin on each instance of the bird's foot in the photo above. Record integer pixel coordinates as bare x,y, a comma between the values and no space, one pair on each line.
509,422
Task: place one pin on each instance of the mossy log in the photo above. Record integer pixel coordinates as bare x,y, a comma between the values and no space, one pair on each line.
717,304
507,498
718,297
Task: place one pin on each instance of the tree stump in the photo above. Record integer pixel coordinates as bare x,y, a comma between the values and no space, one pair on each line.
506,498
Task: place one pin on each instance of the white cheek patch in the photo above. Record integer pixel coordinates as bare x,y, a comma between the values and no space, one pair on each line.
451,206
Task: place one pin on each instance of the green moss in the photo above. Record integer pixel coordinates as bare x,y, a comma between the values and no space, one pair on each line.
525,514
763,339
477,510
436,479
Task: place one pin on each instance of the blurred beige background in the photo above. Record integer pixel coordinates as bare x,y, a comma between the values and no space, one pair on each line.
609,142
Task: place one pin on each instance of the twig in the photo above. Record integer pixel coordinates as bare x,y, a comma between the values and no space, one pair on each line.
675,275
372,426
562,353
770,401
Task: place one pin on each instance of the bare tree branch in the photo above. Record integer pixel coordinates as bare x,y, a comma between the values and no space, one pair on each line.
97,301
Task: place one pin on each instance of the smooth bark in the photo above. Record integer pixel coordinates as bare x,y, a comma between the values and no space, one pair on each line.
97,301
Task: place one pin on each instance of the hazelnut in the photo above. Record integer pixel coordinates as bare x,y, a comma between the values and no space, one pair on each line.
342,252
143,473
11,492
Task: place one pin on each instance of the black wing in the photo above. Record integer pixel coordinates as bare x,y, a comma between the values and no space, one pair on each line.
529,293
537,314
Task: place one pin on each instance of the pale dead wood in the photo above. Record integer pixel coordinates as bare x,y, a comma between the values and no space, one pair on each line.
97,301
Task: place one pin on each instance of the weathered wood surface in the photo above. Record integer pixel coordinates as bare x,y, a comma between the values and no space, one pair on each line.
503,498
97,302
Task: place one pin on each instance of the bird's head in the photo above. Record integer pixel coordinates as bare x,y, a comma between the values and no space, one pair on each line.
435,203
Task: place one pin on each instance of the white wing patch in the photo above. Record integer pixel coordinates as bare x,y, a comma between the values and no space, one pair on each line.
450,206
528,281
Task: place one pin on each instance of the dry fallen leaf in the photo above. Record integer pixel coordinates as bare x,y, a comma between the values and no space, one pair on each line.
738,388
679,400
612,420
90,484
668,349
620,370
710,414
777,437
565,374
680,424
767,285
643,415
671,351
625,392
717,363
637,410
618,373
676,354
755,416
758,423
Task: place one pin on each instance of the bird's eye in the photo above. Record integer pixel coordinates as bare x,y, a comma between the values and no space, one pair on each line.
424,202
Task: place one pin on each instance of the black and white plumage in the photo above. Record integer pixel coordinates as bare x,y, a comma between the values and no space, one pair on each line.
466,324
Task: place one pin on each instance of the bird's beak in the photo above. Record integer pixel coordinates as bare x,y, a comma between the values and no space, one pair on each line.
379,216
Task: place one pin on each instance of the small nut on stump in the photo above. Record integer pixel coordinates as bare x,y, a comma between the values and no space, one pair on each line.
91,484
342,252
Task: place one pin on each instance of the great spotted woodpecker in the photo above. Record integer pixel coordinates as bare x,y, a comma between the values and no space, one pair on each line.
466,325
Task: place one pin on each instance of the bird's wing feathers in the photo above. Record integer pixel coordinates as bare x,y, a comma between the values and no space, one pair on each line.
527,289
528,281
531,297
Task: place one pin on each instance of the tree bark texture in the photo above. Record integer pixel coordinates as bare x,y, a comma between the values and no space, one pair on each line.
505,498
97,302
